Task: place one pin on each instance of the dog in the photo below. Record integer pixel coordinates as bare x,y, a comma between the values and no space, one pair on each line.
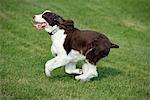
70,45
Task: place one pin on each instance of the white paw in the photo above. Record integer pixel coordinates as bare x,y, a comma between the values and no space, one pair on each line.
82,78
78,77
76,71
47,72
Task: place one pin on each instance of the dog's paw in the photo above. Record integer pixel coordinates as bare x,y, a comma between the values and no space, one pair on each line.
77,77
47,72
82,78
76,71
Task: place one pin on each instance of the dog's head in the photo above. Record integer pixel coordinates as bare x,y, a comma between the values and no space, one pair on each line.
49,19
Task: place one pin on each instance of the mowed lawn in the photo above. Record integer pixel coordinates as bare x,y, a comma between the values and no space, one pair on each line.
123,75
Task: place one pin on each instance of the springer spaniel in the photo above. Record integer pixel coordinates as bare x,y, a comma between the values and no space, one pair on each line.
70,45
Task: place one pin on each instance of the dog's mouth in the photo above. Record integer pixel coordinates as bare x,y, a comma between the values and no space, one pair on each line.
40,25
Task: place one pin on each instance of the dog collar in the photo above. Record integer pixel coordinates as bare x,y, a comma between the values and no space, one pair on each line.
54,30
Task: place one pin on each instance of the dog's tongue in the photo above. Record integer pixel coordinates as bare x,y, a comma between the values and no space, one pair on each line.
40,25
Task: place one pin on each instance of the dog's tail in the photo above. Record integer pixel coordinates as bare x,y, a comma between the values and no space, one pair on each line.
114,45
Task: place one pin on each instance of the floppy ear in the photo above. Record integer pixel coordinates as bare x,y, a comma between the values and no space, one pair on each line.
65,24
59,20
69,23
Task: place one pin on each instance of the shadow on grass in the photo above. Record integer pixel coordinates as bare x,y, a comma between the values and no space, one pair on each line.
62,76
106,72
103,73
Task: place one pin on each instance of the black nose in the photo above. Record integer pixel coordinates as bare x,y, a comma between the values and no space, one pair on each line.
33,17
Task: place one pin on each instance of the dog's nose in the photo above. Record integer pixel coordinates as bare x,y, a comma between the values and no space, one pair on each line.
33,17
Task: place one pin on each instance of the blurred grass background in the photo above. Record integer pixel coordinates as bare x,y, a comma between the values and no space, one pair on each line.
124,74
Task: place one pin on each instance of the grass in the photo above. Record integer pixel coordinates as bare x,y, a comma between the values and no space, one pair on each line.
124,74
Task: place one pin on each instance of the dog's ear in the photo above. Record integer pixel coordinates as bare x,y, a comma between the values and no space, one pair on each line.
65,24
59,20
69,23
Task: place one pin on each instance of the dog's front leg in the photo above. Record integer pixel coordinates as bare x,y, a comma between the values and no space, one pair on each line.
53,50
54,63
70,68
89,72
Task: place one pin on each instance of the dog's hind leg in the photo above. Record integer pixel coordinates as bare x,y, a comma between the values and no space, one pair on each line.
70,68
54,63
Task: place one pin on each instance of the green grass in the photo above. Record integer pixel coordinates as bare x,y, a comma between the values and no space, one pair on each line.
123,75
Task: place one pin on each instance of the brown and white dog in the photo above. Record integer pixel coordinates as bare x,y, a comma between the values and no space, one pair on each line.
70,45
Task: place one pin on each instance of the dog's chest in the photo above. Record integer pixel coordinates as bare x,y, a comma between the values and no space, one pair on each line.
57,43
